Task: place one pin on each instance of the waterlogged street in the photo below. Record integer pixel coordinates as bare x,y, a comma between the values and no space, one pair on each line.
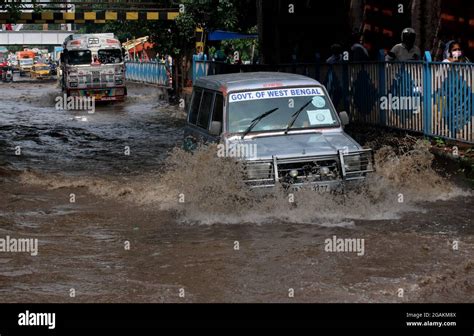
122,215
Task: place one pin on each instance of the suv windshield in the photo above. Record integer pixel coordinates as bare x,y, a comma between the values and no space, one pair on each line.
244,107
107,56
79,57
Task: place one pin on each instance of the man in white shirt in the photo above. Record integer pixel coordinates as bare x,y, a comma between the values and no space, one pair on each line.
406,50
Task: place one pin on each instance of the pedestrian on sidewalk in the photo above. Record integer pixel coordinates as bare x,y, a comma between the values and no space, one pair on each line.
406,50
454,53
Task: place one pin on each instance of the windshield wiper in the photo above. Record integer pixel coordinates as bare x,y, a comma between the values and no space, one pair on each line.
256,120
295,116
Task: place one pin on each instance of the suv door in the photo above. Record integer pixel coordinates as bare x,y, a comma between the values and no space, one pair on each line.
199,116
189,131
217,115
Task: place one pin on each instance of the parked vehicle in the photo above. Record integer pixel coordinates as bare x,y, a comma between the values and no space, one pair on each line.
284,127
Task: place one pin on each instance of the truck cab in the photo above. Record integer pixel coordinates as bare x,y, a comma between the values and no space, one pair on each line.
92,65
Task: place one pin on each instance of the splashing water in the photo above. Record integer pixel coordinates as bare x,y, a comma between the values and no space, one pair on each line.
204,188
215,192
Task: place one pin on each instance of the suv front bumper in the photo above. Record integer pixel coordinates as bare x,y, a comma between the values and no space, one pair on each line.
323,173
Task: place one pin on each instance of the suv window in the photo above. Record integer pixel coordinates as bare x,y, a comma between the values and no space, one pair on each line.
196,101
205,109
218,108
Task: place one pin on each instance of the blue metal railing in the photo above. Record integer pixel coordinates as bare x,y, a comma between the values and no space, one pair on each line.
452,100
434,98
148,72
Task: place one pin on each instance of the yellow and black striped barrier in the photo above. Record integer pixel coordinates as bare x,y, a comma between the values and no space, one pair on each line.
87,17
200,38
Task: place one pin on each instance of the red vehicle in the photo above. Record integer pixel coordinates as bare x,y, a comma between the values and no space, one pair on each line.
3,65
6,72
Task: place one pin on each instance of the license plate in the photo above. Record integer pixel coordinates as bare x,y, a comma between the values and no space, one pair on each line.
322,188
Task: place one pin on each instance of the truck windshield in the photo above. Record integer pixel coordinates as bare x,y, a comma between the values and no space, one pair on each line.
107,56
26,61
244,107
79,57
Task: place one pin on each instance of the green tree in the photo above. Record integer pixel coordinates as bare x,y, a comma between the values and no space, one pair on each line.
177,37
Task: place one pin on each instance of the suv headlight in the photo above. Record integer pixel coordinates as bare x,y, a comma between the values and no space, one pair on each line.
258,171
352,163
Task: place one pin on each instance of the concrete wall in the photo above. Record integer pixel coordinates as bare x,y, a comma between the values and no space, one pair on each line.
34,37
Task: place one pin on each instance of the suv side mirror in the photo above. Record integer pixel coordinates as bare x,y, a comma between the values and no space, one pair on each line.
216,127
344,118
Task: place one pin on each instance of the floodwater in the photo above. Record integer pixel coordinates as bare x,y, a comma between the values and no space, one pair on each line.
122,215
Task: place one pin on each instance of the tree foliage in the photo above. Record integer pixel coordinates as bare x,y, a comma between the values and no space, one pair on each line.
171,37
177,37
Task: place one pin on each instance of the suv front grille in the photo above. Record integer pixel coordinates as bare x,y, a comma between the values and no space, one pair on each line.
300,170
309,171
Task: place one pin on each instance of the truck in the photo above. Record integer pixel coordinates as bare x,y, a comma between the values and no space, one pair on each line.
25,61
92,65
